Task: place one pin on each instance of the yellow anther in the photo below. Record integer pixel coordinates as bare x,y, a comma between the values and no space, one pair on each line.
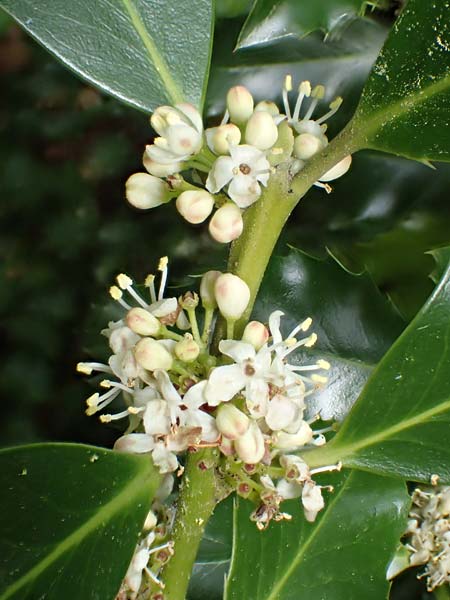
336,103
149,280
115,292
290,341
105,418
323,364
305,88
319,378
133,410
288,83
318,92
311,340
124,281
306,324
93,399
91,410
84,368
105,383
163,262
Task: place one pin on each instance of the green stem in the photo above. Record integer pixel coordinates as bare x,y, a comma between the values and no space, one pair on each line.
195,506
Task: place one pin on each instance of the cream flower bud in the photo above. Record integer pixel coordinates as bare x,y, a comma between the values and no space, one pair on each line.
306,145
220,138
290,441
150,521
146,191
231,422
312,500
187,349
256,334
207,289
226,224
250,447
239,104
159,170
232,296
195,205
338,170
261,131
152,355
269,107
142,322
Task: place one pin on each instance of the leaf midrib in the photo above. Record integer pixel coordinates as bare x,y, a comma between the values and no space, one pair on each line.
114,506
155,58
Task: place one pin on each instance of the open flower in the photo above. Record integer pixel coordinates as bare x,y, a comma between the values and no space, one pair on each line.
242,171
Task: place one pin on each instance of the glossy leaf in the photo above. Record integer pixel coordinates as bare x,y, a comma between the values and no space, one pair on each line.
401,422
214,555
404,106
343,555
354,322
271,20
70,517
342,65
144,52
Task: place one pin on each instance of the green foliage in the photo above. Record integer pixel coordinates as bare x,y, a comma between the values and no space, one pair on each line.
400,423
274,19
144,53
344,554
70,518
404,107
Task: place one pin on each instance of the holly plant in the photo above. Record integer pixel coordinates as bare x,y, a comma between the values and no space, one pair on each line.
284,420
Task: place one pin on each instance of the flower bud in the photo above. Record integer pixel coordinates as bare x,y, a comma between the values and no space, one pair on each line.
150,521
232,296
122,339
207,289
291,441
220,138
146,191
195,205
306,145
269,107
250,447
256,334
152,355
187,349
338,170
296,468
312,500
158,169
261,130
239,104
231,422
189,301
142,322
226,224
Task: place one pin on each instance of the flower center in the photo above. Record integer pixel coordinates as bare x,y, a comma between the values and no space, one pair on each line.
244,169
249,370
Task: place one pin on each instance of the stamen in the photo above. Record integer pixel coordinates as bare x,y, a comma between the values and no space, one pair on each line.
308,342
323,364
319,378
304,89
163,262
106,383
334,106
226,118
150,283
325,186
336,467
154,578
116,294
125,283
287,88
317,94
108,418
87,368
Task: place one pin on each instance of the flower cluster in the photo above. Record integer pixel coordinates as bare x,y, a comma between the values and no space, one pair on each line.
231,162
249,402
427,537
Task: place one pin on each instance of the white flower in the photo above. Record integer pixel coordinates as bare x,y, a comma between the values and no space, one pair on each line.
139,563
241,171
181,134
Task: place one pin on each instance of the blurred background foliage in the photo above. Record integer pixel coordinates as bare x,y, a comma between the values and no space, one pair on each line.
65,153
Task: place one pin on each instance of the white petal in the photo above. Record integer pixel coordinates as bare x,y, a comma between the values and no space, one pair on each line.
137,443
244,190
245,154
221,173
199,418
238,351
166,461
194,397
156,418
257,397
224,383
141,397
289,489
281,413
163,307
164,157
192,114
183,139
274,326
167,388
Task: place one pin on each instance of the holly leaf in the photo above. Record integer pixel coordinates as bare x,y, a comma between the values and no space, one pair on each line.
404,106
70,518
344,554
401,422
272,20
146,53
354,322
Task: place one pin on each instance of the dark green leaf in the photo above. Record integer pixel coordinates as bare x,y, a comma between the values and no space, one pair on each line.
342,556
354,322
405,104
214,555
274,19
144,52
342,65
69,520
401,422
